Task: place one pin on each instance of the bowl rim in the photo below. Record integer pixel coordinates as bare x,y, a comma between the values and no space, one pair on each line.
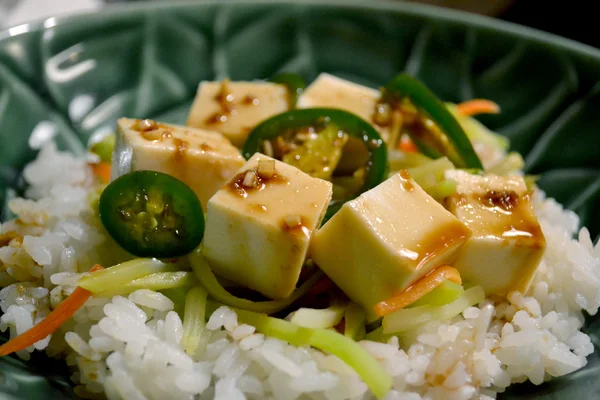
415,9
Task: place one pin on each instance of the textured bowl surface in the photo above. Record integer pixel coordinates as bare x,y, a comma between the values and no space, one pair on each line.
72,78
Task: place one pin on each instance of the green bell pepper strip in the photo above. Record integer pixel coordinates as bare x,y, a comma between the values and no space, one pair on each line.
209,281
295,86
404,85
346,349
376,168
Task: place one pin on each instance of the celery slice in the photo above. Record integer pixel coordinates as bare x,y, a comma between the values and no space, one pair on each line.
105,147
111,279
430,173
314,318
194,339
444,294
354,321
208,279
512,163
156,282
349,351
377,335
410,318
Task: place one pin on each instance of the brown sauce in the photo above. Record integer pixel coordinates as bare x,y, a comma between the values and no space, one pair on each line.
506,199
508,216
144,125
226,101
236,185
180,148
439,241
406,181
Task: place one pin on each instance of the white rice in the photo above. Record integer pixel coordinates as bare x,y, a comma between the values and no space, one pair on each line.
129,348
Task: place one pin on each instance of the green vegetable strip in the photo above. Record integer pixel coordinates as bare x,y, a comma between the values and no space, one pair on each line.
512,163
314,318
218,292
295,86
111,279
377,335
104,148
404,85
193,320
178,297
349,351
353,126
410,318
354,321
156,282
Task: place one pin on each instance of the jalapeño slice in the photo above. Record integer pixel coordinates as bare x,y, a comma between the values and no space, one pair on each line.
151,214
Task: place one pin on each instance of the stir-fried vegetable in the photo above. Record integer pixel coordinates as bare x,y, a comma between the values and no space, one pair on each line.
353,126
194,338
354,321
209,281
113,278
295,86
430,176
418,289
51,323
477,132
151,214
447,292
320,153
477,106
104,148
101,171
158,281
439,136
315,318
513,163
410,318
349,351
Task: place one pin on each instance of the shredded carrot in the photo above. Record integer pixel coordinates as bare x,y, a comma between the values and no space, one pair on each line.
418,289
407,145
51,323
478,106
101,171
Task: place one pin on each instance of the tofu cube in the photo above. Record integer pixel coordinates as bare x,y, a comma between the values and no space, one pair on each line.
235,108
259,225
203,159
385,240
507,243
330,91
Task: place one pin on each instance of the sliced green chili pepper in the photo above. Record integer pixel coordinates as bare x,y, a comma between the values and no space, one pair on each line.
320,155
452,141
352,125
295,86
209,281
151,214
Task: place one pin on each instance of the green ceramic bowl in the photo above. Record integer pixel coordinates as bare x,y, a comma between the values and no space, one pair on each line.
71,78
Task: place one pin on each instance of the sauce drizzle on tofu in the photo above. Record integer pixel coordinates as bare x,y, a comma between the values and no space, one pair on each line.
247,182
226,101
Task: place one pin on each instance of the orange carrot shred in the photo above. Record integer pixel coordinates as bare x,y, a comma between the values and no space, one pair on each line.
407,145
478,106
51,323
418,289
101,171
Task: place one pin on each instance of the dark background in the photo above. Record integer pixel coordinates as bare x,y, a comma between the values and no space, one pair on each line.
573,19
